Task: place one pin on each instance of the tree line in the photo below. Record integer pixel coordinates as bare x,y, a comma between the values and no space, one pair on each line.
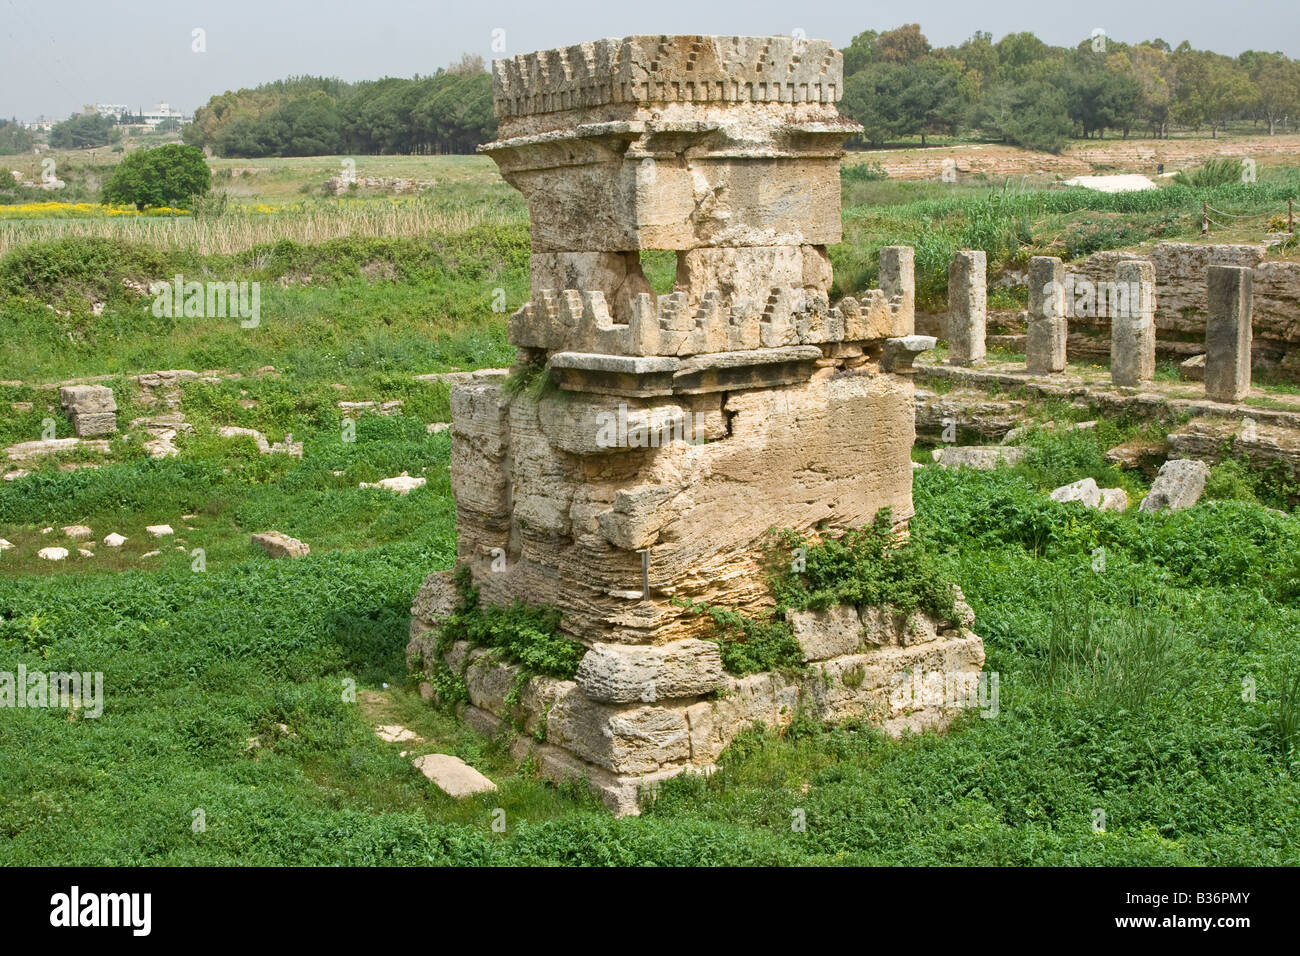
1018,90
449,112
1023,91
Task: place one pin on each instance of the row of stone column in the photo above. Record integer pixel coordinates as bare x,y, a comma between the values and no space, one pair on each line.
1132,331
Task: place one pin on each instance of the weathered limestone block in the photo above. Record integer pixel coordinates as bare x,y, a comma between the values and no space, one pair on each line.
617,275
949,413
92,408
1114,499
833,632
1084,491
967,307
624,739
618,674
1179,484
752,272
1046,334
1133,334
480,436
1228,333
585,424
1192,369
437,598
279,545
1262,444
979,457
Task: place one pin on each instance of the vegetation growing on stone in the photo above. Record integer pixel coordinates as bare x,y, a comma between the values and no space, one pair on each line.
528,636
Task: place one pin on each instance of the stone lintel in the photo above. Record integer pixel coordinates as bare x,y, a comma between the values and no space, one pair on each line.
652,376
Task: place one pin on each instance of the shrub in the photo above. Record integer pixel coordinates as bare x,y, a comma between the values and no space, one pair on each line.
166,176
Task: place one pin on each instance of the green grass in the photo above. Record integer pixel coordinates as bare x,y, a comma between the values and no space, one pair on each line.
195,664
1123,682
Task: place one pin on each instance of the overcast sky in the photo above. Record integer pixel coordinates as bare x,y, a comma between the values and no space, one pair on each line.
58,55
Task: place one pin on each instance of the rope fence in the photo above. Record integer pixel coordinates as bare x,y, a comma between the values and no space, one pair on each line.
1207,221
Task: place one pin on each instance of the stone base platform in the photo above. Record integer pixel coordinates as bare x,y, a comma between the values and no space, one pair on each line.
636,716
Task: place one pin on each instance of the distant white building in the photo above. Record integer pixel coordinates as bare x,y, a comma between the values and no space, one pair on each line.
150,118
163,111
115,110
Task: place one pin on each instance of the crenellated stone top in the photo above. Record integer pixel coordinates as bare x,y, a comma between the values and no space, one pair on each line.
573,320
668,69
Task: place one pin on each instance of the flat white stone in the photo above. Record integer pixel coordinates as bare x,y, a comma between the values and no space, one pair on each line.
160,530
52,554
77,531
402,484
114,540
396,733
453,776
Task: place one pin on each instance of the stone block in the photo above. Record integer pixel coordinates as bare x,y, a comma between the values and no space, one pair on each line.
1179,484
279,545
620,674
1084,491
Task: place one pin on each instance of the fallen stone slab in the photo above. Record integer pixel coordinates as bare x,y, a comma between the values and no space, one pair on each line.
52,554
279,545
160,530
23,451
77,531
453,776
396,733
979,457
114,540
6,545
151,554
1179,484
1084,491
85,553
1263,446
403,484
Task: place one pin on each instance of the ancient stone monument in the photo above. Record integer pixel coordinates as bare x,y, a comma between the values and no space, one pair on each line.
645,447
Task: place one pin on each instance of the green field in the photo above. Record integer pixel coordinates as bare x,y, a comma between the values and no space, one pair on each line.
1125,688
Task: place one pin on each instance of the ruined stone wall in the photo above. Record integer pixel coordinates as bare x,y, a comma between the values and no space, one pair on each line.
1079,159
1181,303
